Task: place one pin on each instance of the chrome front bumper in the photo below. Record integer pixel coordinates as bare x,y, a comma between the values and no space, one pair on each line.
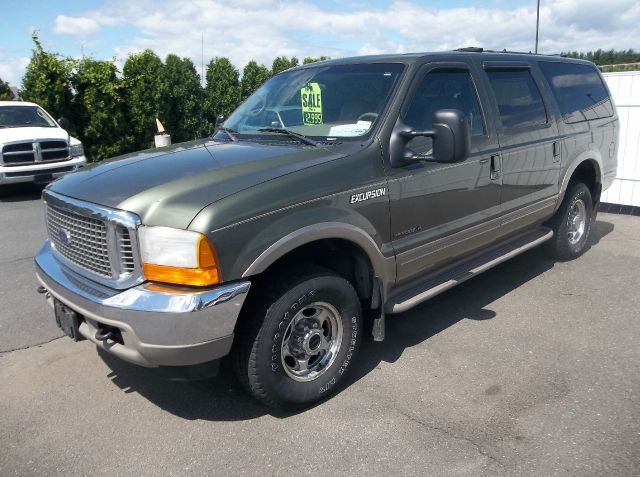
29,172
160,325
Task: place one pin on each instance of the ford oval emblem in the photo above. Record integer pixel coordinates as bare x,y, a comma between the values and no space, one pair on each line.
65,236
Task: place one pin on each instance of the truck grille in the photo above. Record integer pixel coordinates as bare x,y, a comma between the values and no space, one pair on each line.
97,242
23,153
82,240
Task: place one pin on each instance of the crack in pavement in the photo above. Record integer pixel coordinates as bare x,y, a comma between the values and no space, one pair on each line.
19,259
447,432
30,346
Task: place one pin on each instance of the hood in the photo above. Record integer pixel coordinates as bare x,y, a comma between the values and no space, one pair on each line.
169,186
31,134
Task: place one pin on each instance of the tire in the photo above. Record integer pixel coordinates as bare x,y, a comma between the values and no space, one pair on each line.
313,316
572,224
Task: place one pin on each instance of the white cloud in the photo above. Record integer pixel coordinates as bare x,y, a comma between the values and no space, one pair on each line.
77,26
12,69
263,29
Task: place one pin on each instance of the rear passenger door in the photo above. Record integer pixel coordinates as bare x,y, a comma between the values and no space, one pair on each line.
528,138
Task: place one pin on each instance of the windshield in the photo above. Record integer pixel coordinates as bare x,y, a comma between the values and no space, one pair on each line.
24,116
334,101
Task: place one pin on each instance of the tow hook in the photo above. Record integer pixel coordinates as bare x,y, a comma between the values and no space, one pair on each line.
103,335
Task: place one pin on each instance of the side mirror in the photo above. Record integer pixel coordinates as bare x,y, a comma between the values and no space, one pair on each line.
64,123
219,121
451,139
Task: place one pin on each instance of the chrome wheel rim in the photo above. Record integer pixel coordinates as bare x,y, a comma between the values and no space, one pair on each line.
311,341
576,221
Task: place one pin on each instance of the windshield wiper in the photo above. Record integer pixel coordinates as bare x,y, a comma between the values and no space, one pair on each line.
293,134
229,132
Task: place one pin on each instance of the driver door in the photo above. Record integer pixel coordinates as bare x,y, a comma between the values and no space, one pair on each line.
442,211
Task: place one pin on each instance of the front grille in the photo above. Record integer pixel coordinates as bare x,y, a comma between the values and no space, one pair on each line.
98,242
22,153
54,150
82,240
18,153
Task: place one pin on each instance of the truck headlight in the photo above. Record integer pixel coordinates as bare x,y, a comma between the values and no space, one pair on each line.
177,256
77,150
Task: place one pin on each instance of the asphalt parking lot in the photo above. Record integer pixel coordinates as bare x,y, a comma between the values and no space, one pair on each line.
531,369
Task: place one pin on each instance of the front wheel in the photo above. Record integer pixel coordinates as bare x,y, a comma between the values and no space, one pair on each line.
572,224
297,342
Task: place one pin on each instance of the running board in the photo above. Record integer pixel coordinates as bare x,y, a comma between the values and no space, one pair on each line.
466,270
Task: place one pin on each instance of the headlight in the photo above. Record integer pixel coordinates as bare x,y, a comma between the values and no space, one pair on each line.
77,150
177,256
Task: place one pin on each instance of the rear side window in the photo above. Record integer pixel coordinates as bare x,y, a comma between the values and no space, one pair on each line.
519,100
579,91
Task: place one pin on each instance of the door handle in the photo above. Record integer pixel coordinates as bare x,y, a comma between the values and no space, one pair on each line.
484,160
556,151
495,167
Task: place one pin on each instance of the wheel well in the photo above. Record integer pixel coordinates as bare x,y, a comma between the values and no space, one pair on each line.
586,173
343,257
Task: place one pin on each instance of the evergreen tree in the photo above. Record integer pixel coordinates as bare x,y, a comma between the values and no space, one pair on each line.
602,57
98,109
253,76
5,91
282,63
145,95
222,91
309,59
182,106
47,80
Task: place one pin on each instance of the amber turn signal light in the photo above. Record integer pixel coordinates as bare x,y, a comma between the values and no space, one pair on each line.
207,272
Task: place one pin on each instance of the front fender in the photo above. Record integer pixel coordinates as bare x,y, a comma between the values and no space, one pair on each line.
250,246
383,267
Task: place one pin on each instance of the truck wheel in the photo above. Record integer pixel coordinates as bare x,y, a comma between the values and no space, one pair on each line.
296,343
572,224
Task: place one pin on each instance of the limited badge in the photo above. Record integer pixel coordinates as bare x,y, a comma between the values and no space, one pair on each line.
311,100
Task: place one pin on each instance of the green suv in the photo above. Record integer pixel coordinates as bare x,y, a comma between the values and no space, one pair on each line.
339,190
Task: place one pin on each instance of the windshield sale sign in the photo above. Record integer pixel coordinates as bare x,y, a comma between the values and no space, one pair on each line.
311,100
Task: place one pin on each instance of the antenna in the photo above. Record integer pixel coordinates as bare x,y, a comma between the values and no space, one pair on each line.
537,24
201,86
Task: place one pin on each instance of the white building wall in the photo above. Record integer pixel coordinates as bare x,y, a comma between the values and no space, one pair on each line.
625,90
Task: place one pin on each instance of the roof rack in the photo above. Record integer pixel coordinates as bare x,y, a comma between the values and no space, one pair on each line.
478,49
471,49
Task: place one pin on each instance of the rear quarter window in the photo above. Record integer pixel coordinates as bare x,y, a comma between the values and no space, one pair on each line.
579,91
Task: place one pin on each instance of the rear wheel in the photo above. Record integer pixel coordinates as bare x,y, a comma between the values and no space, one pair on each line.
297,341
571,224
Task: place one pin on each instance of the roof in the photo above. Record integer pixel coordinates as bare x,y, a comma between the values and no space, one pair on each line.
17,103
408,58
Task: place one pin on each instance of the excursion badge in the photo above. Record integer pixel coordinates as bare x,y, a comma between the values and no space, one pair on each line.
370,194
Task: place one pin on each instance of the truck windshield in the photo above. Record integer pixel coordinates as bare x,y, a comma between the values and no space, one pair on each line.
24,116
332,101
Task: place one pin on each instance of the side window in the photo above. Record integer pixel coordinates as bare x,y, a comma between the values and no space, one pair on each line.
579,91
443,89
519,101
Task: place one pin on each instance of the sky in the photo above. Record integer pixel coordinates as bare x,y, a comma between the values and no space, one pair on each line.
263,29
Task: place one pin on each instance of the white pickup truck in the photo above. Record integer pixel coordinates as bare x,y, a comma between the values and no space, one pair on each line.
33,146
